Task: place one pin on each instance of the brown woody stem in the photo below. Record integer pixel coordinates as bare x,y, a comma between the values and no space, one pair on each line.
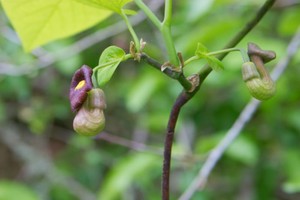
180,101
177,75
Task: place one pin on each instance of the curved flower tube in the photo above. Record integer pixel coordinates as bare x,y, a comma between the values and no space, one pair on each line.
259,87
80,85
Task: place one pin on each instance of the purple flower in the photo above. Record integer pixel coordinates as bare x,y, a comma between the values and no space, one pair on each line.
80,85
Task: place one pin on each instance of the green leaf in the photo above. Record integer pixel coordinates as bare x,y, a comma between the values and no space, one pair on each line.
287,25
124,173
112,5
292,187
108,63
141,92
201,50
291,165
214,63
16,191
39,22
244,150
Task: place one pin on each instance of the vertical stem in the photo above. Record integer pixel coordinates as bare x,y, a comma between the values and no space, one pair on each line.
132,32
180,101
168,12
170,47
164,27
148,13
167,35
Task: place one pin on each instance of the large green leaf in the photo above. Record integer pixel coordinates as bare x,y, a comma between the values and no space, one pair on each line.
113,5
38,22
108,63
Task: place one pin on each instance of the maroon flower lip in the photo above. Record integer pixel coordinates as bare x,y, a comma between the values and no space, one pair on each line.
80,85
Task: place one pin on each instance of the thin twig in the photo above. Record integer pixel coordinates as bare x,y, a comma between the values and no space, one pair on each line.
184,97
141,147
137,146
238,125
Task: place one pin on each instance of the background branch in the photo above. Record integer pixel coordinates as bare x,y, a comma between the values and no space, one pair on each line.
239,124
141,147
137,146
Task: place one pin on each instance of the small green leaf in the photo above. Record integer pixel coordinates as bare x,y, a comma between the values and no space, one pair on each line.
39,22
108,63
201,50
214,63
112,5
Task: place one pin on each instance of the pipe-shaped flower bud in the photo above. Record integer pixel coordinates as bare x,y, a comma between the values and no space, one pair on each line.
90,119
260,88
88,102
256,76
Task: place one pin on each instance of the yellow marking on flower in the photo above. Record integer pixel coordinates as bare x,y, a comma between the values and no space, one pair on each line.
80,85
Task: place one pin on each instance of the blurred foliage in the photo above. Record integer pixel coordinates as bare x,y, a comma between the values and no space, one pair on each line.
263,163
13,191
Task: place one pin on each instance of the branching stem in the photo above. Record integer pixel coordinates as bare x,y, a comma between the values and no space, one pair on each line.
242,51
214,53
177,75
164,27
184,97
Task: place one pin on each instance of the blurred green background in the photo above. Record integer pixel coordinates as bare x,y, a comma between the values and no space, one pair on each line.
41,157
